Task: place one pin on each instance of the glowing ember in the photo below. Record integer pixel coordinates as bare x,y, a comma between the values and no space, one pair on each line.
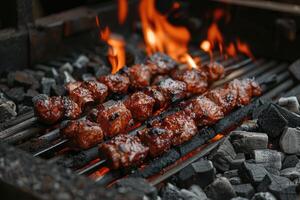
217,137
160,35
205,45
122,10
116,53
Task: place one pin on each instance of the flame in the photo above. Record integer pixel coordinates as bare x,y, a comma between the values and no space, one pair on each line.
116,53
160,35
190,61
122,11
215,39
244,48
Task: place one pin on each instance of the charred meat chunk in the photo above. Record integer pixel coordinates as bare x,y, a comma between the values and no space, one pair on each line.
71,109
223,97
204,111
83,134
114,119
182,126
161,100
48,109
246,89
174,89
195,80
116,83
158,140
214,71
72,86
139,76
160,63
123,151
99,90
140,105
81,96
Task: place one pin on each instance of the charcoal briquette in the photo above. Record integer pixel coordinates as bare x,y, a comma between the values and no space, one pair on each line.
244,190
220,189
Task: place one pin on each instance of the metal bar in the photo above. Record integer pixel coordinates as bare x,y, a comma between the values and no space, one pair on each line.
91,168
22,135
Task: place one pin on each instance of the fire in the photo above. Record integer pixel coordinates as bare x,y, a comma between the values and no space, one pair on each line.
216,41
161,36
122,11
190,61
116,53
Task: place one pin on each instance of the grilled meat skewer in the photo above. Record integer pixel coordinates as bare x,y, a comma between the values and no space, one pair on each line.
180,126
119,117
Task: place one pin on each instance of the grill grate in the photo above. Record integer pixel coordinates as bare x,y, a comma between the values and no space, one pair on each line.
45,142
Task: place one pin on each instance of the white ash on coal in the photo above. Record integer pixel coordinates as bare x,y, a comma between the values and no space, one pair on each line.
290,103
290,141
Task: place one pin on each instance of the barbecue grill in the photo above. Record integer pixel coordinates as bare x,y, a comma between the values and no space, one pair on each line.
63,41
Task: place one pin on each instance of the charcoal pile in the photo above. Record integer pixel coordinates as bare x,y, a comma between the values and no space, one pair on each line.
17,88
258,160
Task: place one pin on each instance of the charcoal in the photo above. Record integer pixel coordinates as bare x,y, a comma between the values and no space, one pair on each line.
88,77
244,190
4,87
274,184
220,189
295,69
223,156
235,180
263,196
81,61
7,110
290,141
273,171
59,90
290,173
249,125
198,191
238,198
54,74
257,112
23,109
290,161
171,192
188,195
47,84
252,173
290,103
138,185
288,193
102,70
231,173
238,160
16,94
246,142
268,158
66,67
293,119
23,78
67,77
198,173
28,96
272,121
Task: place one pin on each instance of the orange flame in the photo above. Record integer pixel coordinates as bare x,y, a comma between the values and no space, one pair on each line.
215,39
122,11
116,53
160,35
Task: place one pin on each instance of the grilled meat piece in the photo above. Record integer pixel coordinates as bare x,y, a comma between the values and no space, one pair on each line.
72,86
123,151
160,63
223,97
203,110
48,109
182,126
116,83
158,140
140,105
214,71
139,76
174,89
81,96
161,100
114,119
83,134
246,89
71,109
99,90
195,80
